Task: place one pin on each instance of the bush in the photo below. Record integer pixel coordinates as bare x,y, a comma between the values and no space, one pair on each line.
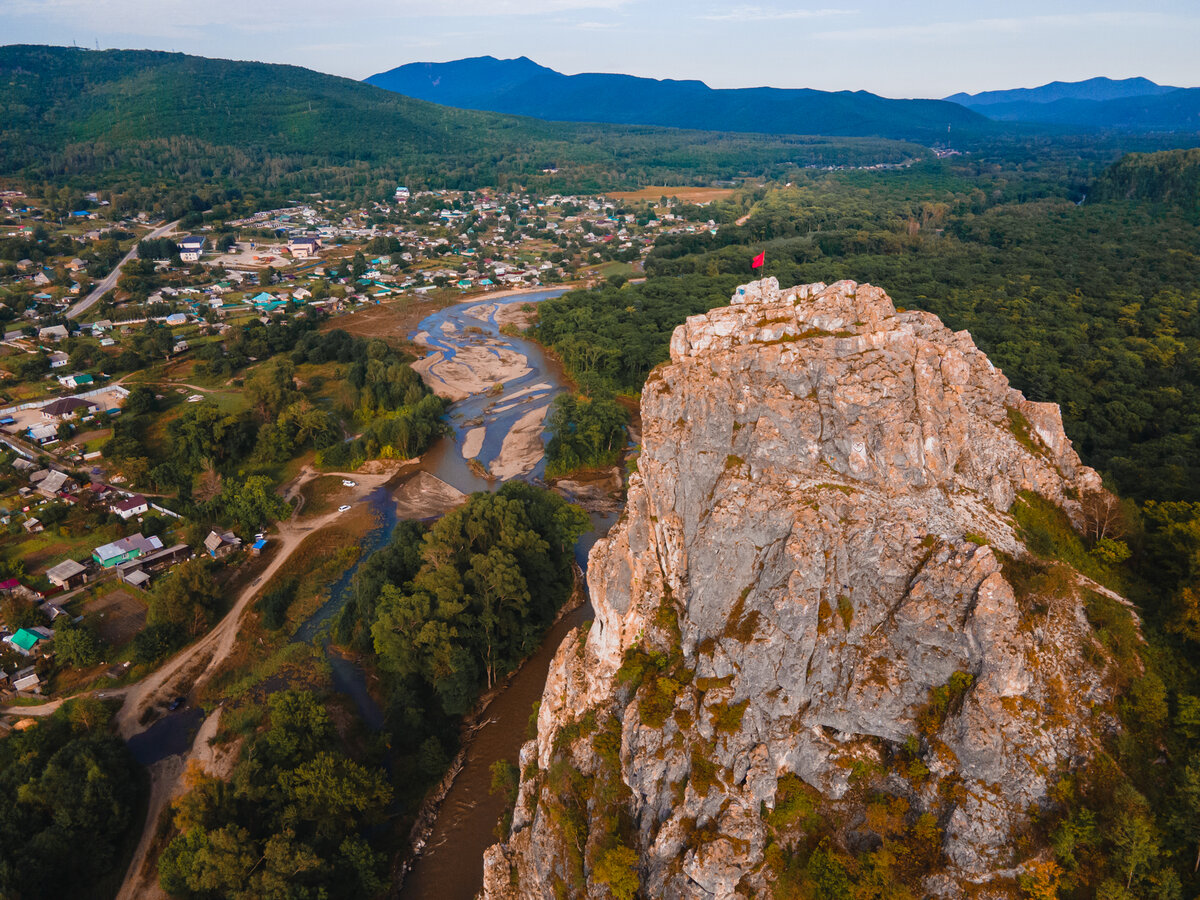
154,642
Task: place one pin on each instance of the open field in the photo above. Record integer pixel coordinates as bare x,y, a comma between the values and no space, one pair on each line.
324,494
686,194
392,320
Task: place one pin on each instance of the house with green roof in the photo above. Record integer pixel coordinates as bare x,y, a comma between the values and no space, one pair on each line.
26,639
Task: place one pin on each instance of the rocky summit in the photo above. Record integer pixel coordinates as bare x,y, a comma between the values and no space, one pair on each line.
818,630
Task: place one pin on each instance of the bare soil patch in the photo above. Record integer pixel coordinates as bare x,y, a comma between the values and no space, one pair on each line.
119,616
687,194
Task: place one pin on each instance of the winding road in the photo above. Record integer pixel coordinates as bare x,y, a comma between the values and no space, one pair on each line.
110,280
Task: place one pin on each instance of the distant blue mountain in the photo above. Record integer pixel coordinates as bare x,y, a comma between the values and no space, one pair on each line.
522,87
1097,89
1132,104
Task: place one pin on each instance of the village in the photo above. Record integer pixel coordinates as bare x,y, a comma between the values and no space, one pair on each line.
86,322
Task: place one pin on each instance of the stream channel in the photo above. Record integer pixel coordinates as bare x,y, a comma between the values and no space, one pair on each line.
451,864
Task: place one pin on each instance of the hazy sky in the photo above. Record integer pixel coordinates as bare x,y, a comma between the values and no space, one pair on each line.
898,48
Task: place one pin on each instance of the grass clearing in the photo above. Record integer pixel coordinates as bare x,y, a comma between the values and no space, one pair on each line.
323,495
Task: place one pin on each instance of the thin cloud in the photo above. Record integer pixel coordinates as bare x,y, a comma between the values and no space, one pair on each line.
760,14
1008,25
595,26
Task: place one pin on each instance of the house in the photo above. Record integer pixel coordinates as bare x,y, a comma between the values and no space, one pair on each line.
33,526
220,544
8,585
128,507
176,319
125,549
52,333
41,278
55,483
65,408
191,248
101,326
26,639
74,381
26,680
67,574
137,571
59,360
76,264
43,433
303,247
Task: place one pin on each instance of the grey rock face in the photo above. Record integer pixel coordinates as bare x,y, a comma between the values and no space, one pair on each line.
820,505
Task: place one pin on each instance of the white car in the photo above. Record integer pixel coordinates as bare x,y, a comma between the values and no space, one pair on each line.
343,508
346,482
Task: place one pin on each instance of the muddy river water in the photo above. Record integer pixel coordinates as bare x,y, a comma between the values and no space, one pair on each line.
503,386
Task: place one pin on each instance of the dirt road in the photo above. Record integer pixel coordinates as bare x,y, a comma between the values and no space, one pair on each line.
182,673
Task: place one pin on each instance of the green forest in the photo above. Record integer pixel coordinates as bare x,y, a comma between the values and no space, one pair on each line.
72,798
288,823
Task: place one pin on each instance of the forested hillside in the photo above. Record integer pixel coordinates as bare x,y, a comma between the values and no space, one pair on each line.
1170,176
129,118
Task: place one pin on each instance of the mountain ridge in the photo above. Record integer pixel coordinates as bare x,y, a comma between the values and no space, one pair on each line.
1099,88
522,87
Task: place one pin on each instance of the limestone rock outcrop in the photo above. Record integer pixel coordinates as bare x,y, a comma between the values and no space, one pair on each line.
811,581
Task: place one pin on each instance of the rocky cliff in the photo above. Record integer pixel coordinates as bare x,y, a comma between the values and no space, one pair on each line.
818,650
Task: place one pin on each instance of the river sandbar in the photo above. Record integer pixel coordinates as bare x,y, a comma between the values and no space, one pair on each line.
473,443
522,449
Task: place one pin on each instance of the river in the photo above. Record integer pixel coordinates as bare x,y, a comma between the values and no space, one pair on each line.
451,866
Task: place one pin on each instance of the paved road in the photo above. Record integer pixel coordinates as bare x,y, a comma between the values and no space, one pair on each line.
110,280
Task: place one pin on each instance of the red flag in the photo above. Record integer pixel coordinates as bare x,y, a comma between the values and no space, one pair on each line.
759,260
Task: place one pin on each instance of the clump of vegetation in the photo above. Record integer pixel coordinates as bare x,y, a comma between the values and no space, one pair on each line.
727,717
796,805
587,432
943,700
506,781
705,774
741,626
296,819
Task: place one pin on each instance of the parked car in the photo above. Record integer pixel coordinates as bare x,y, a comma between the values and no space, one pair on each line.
343,508
346,482
176,703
